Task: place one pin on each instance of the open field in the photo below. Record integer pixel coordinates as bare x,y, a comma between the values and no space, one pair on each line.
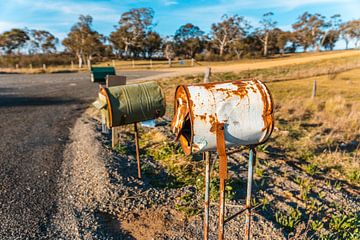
186,67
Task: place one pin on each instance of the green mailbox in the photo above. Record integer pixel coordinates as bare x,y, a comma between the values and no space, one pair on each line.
98,74
132,103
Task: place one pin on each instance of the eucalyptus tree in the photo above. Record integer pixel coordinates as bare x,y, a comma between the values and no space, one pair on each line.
83,41
189,40
309,29
132,29
226,32
42,41
265,31
14,39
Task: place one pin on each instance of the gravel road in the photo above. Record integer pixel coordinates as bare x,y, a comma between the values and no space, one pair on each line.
36,115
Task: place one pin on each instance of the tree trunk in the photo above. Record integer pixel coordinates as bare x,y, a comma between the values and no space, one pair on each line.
266,42
347,44
169,61
80,60
89,63
221,49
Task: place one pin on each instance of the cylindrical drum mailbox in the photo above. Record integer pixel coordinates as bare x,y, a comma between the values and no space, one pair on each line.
133,103
245,108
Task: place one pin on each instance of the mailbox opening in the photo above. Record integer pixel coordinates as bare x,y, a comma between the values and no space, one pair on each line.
182,124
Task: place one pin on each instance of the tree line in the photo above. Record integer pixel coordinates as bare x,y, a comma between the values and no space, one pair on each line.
232,37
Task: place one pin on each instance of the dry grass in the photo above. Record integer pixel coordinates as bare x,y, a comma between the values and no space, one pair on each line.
310,130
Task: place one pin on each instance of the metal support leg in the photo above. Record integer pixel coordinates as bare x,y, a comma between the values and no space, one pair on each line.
206,157
220,145
252,157
222,209
137,149
104,128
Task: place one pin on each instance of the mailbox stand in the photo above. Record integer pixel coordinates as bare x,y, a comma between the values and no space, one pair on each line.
252,159
221,149
206,157
137,149
220,144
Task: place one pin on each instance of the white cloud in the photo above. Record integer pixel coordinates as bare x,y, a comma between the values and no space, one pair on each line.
4,26
169,2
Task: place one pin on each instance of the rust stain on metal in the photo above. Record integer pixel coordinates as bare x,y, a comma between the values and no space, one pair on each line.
198,108
267,109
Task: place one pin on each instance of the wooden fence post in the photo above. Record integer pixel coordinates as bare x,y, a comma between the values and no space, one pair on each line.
207,75
192,62
313,94
72,65
133,63
113,63
44,67
30,66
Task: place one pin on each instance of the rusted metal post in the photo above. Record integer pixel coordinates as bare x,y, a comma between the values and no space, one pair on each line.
137,149
221,210
313,94
206,157
252,157
220,145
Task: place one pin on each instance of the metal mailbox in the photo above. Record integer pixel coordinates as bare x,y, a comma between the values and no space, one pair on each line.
133,103
245,108
130,104
214,116
99,74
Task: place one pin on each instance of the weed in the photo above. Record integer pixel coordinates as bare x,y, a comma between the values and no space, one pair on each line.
187,205
311,169
345,226
305,187
337,185
289,219
121,149
316,225
354,176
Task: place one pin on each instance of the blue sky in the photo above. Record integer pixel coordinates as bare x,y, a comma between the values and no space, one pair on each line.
57,16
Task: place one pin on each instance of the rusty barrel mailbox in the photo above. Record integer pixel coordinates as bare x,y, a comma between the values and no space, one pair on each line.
215,116
130,104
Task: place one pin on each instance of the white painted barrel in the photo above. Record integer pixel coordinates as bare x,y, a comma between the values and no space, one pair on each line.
245,108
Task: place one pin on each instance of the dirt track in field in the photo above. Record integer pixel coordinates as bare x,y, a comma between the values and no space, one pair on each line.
257,64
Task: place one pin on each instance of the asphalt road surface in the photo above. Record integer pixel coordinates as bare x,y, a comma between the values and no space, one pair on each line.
36,115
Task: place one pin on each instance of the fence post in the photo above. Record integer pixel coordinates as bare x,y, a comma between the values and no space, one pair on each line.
30,66
17,66
72,65
313,94
133,63
192,62
44,67
207,75
113,63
